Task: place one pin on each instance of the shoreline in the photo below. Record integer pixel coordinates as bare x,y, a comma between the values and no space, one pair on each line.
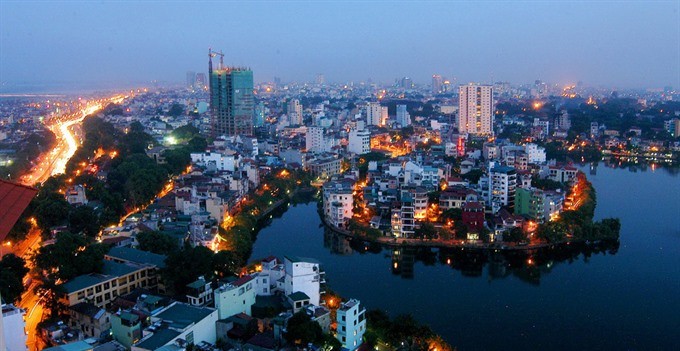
454,244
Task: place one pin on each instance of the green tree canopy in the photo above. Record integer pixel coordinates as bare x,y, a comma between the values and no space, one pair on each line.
12,272
157,242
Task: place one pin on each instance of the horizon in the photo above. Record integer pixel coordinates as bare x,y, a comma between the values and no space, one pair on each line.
108,45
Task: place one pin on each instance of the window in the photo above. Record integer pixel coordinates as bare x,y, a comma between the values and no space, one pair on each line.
98,288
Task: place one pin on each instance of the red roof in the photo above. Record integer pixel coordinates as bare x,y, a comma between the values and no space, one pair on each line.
14,198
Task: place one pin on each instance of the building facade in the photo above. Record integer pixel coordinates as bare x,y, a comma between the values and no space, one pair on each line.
476,110
351,324
232,104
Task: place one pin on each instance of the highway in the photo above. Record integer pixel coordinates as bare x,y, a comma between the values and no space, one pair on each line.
50,163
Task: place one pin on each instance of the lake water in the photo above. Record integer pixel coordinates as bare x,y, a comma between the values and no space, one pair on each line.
618,297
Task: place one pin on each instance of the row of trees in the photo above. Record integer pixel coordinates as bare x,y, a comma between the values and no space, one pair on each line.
578,224
403,333
26,151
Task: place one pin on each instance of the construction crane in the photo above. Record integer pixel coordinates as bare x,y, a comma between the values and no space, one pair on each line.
212,54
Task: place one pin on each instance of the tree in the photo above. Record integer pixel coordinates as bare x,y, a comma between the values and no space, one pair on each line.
226,263
184,266
157,242
12,271
426,230
302,330
51,210
515,235
50,297
184,133
70,256
83,219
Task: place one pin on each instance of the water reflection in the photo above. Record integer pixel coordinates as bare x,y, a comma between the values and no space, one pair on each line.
527,265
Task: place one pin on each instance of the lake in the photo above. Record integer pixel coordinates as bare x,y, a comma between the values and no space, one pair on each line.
624,296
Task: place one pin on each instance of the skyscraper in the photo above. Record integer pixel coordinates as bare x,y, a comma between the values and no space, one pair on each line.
231,99
191,79
373,114
475,111
437,83
295,112
403,117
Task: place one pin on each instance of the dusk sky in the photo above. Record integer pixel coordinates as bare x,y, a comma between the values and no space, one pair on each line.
621,44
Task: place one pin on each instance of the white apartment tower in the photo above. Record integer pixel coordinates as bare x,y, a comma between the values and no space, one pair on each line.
12,326
403,117
359,141
476,109
295,112
314,139
373,113
304,275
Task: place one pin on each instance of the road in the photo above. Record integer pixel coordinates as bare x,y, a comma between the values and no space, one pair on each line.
54,161
48,164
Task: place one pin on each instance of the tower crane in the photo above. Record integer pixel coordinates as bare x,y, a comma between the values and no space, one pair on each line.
212,54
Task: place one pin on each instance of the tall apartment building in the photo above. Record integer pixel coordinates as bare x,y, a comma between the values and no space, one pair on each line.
231,100
304,275
295,112
359,141
351,320
373,113
502,187
338,202
384,115
437,84
476,109
314,139
403,117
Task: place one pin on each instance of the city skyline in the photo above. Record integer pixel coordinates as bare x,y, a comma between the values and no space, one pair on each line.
558,42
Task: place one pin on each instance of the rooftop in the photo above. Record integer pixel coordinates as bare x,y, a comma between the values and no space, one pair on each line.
14,198
182,315
298,296
137,256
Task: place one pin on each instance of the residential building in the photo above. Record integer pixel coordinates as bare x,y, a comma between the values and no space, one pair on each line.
402,220
403,117
178,325
304,275
12,329
231,100
295,112
325,166
359,141
235,297
92,321
473,216
75,195
126,328
563,174
535,153
537,204
314,139
456,197
321,315
563,121
116,279
476,109
437,84
351,321
502,186
373,114
199,292
338,203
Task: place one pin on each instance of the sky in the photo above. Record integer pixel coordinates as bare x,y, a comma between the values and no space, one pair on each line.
619,44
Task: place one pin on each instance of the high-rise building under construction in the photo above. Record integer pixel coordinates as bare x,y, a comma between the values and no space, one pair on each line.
231,99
